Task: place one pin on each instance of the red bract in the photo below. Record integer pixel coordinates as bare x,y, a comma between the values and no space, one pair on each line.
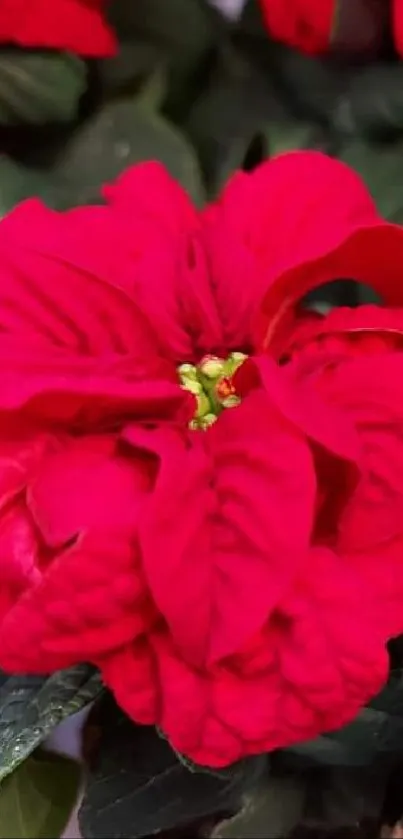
397,6
354,360
354,27
165,262
303,24
213,576
78,26
288,240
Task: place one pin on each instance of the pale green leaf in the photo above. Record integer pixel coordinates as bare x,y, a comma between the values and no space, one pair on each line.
37,799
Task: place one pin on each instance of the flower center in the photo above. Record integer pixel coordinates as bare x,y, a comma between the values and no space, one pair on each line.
210,381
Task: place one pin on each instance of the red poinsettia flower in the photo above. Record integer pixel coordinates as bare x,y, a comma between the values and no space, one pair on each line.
356,27
303,24
162,552
78,26
397,6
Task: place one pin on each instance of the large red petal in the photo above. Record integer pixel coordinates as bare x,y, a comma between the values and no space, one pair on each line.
169,274
296,222
142,251
322,423
19,560
83,392
22,448
77,26
214,534
65,280
317,340
132,673
72,334
90,596
354,360
306,671
398,25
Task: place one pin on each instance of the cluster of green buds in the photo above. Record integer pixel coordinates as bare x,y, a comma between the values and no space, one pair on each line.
211,383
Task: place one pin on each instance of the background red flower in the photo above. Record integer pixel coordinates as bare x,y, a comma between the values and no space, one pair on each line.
303,24
78,26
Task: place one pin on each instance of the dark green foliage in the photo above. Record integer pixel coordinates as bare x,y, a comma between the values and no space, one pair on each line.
31,706
138,785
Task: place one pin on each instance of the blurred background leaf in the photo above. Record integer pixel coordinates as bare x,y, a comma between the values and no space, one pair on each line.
18,182
227,124
36,800
38,87
381,167
181,34
122,133
372,105
240,120
272,808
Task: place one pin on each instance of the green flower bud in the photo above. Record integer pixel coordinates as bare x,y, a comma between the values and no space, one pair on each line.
193,386
235,360
187,373
212,386
211,366
207,421
231,402
203,405
238,357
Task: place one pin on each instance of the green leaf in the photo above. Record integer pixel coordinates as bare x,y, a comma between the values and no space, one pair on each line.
139,787
272,808
36,800
152,92
372,105
342,802
308,86
184,26
38,87
380,165
228,123
240,121
311,86
376,733
290,135
30,707
134,62
121,134
18,182
180,35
